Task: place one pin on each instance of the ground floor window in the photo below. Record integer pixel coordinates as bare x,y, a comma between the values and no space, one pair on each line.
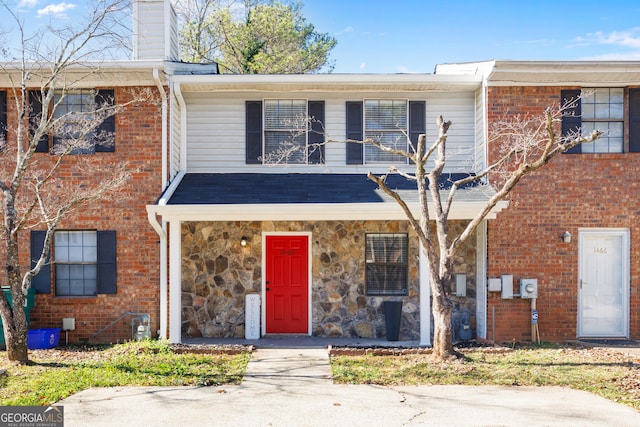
76,258
387,267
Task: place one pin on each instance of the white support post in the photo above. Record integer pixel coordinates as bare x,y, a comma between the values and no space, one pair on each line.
175,283
425,300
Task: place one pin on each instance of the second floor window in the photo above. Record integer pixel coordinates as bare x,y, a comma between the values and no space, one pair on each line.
392,122
82,121
603,108
385,121
614,111
285,131
75,115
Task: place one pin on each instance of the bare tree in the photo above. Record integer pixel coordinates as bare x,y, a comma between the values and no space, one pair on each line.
526,145
45,69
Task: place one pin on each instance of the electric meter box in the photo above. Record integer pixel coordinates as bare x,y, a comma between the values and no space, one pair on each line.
528,288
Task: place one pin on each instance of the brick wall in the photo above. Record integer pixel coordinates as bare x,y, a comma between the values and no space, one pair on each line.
138,142
574,191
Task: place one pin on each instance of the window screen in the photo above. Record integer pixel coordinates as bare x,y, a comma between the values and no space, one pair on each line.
385,121
75,121
603,108
386,271
76,257
285,131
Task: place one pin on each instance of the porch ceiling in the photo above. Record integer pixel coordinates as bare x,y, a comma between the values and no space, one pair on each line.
260,196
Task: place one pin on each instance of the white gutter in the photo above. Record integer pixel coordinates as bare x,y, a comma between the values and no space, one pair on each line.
169,191
161,229
312,211
152,210
163,95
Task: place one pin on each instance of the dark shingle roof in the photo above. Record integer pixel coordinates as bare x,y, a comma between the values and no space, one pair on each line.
262,188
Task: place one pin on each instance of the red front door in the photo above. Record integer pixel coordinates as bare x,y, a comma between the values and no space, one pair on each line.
287,284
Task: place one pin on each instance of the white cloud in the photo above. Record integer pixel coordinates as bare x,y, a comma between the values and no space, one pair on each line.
58,10
348,29
27,4
627,56
628,38
363,65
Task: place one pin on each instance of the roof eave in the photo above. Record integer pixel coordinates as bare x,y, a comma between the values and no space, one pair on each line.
311,211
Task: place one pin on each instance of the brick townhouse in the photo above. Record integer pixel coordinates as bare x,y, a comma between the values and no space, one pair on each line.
211,220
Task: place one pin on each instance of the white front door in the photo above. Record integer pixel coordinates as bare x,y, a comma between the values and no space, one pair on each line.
603,294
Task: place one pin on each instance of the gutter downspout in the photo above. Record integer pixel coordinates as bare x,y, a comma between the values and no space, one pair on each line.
161,229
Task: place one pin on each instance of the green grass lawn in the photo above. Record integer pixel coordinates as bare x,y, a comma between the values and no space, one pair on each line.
56,374
609,374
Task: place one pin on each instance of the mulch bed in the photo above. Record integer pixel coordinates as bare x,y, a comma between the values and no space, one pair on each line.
230,349
472,345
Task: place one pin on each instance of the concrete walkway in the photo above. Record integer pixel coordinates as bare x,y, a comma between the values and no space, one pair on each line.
292,387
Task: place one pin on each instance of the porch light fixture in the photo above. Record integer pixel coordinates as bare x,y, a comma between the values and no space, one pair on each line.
243,241
566,237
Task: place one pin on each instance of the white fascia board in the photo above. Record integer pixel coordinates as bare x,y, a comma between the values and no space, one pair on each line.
549,73
565,73
327,82
90,74
309,212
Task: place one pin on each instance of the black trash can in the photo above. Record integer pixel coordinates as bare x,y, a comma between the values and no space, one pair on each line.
392,319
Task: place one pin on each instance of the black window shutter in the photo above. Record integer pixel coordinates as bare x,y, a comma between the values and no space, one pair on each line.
354,133
316,134
417,121
108,126
253,132
107,262
571,115
634,120
41,282
3,118
35,111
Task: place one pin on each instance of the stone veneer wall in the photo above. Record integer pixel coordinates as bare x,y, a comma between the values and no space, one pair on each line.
217,273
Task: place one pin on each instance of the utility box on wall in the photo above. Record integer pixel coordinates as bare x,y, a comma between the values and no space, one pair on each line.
528,288
461,285
507,286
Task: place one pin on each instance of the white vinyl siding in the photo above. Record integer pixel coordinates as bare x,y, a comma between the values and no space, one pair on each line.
216,130
480,160
174,46
175,131
149,29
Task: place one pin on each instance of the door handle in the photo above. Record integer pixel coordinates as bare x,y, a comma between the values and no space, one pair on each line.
268,289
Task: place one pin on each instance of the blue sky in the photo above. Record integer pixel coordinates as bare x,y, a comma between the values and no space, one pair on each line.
412,36
409,36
